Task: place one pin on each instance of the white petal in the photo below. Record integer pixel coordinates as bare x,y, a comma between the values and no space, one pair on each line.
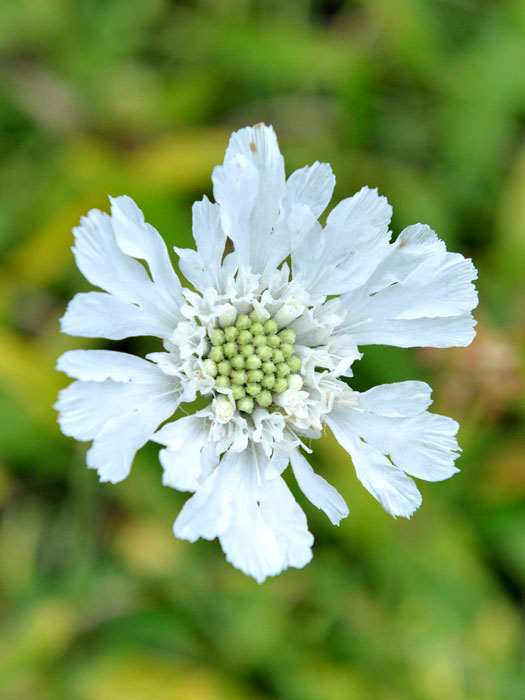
249,186
396,437
277,464
103,263
185,439
208,232
423,446
396,492
85,407
285,517
296,222
312,185
317,490
98,365
181,470
140,240
261,528
119,416
268,530
193,268
100,315
396,400
349,248
202,267
418,295
307,192
207,513
363,214
115,446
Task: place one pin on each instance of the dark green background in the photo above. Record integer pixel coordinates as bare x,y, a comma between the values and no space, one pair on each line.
424,100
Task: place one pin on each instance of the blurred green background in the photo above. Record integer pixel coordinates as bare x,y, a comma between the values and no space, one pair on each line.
424,100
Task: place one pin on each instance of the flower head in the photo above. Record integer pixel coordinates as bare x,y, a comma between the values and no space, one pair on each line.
268,333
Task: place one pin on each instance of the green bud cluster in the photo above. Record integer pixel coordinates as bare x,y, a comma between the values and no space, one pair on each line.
254,359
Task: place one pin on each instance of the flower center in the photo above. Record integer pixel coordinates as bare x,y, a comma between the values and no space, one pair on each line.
254,359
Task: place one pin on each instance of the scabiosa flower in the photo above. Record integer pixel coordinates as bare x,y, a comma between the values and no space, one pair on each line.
268,333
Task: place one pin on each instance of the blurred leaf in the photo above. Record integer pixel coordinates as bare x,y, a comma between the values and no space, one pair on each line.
135,677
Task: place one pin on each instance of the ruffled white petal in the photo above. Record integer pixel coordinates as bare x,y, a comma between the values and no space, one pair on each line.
307,192
342,256
389,439
100,315
139,239
312,185
139,300
103,263
261,528
119,407
396,400
418,295
317,490
423,446
202,267
98,365
208,512
268,530
185,440
114,448
394,490
249,187
85,407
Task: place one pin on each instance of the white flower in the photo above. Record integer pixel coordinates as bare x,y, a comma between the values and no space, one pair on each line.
266,334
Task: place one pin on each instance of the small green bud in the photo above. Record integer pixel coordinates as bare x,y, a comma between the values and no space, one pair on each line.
264,352
268,367
224,367
282,370
216,354
245,404
270,326
274,341
229,349
238,392
286,349
277,357
237,362
210,367
280,385
253,362
244,337
246,350
243,322
217,337
230,333
256,317
287,336
253,389
222,382
259,340
239,377
257,328
268,381
255,375
294,363
264,399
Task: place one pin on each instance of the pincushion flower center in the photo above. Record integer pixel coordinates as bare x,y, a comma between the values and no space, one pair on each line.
254,359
